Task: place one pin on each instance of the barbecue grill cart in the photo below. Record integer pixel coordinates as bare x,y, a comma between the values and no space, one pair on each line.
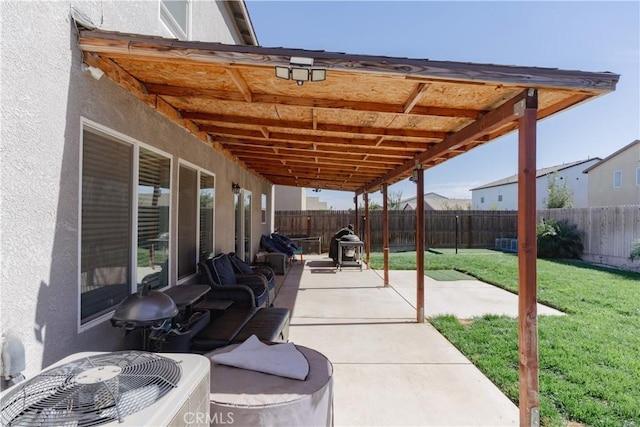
349,252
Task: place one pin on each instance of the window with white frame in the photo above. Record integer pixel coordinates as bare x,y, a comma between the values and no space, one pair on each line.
106,231
638,177
617,179
187,221
242,226
196,201
120,246
154,203
481,199
247,225
263,208
176,15
207,199
500,197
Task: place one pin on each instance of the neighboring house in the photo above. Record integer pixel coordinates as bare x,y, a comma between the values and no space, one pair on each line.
436,202
290,198
503,193
314,204
615,180
296,199
94,181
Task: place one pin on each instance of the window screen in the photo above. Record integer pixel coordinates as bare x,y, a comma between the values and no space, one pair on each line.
154,192
206,214
105,255
263,208
187,221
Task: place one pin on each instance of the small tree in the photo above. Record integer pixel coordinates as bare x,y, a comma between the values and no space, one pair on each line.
559,196
374,206
393,200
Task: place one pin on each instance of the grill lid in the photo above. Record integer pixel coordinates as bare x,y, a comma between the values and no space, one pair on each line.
145,308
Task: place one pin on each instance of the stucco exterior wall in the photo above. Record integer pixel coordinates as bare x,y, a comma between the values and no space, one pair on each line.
601,189
509,193
290,198
45,95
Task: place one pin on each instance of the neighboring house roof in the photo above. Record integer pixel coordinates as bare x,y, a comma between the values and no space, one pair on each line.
609,157
430,195
539,173
436,202
243,22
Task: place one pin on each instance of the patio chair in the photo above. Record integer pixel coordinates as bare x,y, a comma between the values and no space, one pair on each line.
284,243
274,256
242,267
244,290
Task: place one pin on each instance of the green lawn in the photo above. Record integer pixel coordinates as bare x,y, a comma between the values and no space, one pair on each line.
589,359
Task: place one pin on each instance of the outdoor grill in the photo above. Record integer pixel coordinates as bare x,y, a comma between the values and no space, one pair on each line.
146,310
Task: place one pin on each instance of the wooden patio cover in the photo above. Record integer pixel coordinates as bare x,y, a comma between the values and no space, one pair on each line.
371,123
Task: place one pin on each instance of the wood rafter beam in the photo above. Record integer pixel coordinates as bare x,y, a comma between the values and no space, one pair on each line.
399,148
241,84
308,125
415,97
379,155
315,139
248,152
340,185
310,169
500,116
313,103
334,164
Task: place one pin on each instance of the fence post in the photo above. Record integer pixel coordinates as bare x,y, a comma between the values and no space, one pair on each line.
457,234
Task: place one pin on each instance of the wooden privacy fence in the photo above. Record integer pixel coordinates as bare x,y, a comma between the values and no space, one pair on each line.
475,229
607,232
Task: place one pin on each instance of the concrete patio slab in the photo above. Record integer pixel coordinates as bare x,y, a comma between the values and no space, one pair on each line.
462,298
418,395
388,369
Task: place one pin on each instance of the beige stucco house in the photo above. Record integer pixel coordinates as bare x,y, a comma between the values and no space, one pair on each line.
98,189
615,180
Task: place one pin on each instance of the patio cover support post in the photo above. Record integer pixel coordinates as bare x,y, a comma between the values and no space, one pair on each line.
527,254
420,246
385,232
367,229
356,221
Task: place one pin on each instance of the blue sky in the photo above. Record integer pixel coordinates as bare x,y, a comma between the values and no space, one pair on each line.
572,35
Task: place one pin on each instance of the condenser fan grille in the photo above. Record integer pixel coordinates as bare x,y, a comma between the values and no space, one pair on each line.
91,391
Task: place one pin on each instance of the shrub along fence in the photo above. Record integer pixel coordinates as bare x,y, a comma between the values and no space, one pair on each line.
607,232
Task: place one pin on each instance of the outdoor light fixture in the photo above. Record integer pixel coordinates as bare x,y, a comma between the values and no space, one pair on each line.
316,190
414,174
235,187
301,71
96,73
